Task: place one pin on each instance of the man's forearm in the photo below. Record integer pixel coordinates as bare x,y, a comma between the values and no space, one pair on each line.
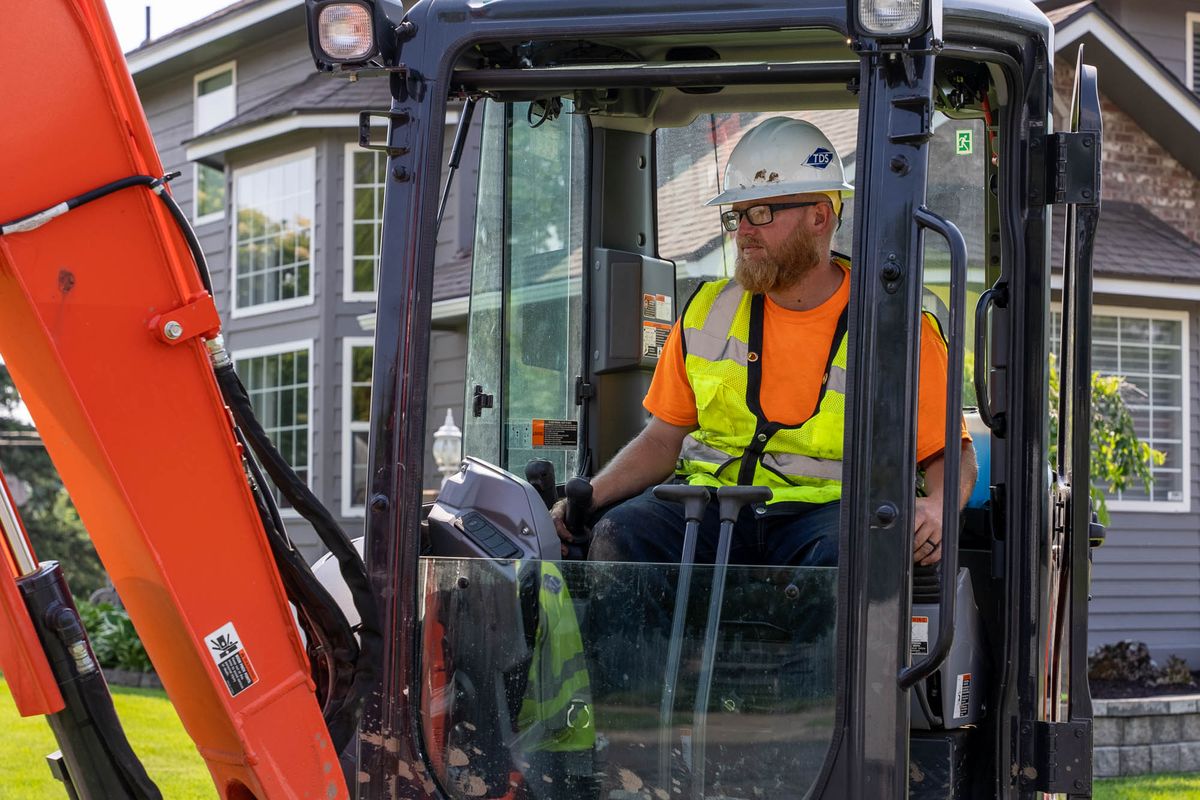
644,462
968,473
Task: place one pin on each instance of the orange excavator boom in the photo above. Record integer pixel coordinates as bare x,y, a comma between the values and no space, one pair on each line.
104,321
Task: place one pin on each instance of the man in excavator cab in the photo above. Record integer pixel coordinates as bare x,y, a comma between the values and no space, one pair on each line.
600,128
750,385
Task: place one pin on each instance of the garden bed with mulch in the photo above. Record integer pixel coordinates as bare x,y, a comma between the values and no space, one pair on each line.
1121,690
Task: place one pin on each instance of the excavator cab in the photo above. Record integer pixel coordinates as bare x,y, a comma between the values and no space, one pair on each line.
518,671
487,661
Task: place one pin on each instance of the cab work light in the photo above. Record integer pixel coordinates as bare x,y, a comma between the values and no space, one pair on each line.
346,31
891,19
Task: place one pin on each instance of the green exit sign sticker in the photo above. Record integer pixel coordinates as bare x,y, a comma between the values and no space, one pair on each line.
964,142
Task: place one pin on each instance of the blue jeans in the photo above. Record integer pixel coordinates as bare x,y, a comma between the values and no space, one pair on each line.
646,529
632,607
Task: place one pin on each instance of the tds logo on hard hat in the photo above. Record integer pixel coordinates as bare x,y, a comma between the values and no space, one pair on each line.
820,158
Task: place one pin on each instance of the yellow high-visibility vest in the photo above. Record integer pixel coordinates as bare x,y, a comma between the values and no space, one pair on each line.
735,442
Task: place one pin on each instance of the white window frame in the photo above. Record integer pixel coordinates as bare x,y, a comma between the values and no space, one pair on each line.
236,311
349,427
215,216
1192,24
228,66
1183,317
273,350
348,292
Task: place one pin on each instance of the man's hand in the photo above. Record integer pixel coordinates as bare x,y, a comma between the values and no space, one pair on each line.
927,531
927,521
559,514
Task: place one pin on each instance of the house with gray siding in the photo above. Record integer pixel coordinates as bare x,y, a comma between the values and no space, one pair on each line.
288,209
287,206
1146,578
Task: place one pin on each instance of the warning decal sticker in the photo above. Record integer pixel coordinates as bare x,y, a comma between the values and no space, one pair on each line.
654,338
920,636
657,307
561,434
962,696
225,646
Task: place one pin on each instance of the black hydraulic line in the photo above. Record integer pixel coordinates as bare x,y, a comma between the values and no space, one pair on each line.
331,644
30,222
344,722
40,218
189,234
96,761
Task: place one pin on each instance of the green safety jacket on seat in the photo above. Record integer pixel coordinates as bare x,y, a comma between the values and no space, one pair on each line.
735,443
556,710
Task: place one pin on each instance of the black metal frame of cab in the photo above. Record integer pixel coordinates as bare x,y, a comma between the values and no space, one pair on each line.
869,754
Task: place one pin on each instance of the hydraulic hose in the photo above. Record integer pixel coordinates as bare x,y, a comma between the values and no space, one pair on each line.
344,715
36,220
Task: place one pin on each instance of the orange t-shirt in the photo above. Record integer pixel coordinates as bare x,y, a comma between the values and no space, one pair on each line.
800,341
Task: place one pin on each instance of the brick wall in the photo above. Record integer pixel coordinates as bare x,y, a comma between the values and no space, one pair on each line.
1136,168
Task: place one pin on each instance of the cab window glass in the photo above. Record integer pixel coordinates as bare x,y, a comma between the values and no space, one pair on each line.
525,335
690,164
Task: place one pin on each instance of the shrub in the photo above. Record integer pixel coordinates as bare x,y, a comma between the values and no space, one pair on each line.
1122,661
114,640
1130,662
1176,673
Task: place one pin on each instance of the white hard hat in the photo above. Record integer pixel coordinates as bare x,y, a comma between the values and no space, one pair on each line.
779,157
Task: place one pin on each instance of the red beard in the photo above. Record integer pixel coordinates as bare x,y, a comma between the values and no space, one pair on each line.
772,269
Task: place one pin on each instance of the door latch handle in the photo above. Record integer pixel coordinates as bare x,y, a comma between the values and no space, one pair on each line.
481,401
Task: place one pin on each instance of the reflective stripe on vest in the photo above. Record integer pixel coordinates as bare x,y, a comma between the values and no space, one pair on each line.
736,443
556,711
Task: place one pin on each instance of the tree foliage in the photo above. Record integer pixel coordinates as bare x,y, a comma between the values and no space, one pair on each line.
1120,460
53,524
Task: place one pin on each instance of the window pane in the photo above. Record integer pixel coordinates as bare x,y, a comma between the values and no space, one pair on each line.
1135,359
358,469
364,275
211,84
360,400
1165,332
357,411
362,358
1135,331
1103,328
1165,391
210,191
1167,361
278,389
1147,352
216,101
1105,358
364,167
1168,486
1165,425
274,234
367,213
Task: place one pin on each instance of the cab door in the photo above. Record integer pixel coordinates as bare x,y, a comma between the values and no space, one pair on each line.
525,336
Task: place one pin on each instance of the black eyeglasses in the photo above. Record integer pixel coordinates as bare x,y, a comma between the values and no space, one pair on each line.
760,215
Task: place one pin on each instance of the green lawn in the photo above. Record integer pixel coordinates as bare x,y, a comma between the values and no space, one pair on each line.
173,763
1149,787
150,723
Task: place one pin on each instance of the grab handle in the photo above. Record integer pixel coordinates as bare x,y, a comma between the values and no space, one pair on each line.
948,568
995,296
